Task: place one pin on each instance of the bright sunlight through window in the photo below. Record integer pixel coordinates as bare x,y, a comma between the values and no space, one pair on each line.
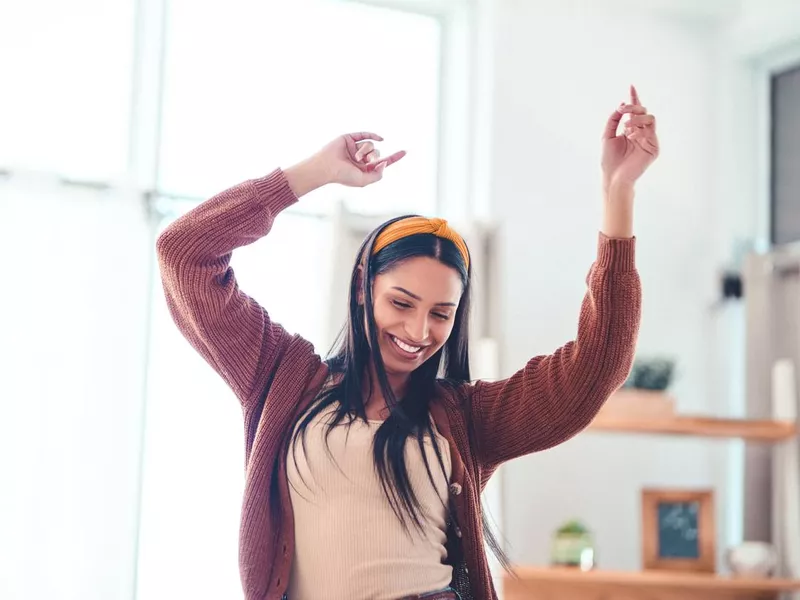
253,85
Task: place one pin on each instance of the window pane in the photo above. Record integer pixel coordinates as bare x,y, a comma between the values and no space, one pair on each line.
67,69
250,86
785,211
193,465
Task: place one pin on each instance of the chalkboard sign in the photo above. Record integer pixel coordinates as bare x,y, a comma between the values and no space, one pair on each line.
678,535
678,530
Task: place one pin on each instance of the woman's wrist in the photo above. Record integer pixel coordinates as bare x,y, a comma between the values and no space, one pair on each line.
307,175
618,210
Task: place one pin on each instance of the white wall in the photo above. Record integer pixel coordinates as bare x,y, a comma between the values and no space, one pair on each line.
558,75
763,26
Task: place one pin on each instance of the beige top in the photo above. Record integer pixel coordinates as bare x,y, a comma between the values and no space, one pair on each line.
348,542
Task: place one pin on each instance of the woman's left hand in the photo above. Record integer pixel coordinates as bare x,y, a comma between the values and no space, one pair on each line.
627,156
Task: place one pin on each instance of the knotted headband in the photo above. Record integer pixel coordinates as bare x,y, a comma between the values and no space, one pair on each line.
414,225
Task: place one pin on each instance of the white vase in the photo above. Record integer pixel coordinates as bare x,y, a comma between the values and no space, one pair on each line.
752,559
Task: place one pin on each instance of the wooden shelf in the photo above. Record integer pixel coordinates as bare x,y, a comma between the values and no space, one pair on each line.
759,431
546,582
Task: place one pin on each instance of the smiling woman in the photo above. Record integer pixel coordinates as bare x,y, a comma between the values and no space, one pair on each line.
365,470
408,307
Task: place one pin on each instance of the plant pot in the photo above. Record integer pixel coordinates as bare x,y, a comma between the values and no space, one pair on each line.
636,403
573,550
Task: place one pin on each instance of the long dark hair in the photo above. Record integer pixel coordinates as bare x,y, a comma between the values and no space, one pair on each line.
357,347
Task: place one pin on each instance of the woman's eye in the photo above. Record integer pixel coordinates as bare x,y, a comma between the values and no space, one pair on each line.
399,304
441,316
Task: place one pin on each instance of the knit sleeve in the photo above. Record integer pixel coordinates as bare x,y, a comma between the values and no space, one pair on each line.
231,331
554,397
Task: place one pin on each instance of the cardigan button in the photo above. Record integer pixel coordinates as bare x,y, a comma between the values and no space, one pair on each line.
458,532
455,489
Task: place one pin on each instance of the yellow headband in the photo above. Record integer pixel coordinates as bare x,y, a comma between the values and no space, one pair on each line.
414,225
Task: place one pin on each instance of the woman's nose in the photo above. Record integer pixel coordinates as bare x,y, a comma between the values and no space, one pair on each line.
417,329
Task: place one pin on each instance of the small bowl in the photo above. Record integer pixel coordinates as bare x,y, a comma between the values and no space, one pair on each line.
752,559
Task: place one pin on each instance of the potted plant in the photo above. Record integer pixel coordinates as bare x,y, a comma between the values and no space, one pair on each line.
573,546
644,394
653,374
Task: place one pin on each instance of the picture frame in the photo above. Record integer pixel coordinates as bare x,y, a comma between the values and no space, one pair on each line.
678,530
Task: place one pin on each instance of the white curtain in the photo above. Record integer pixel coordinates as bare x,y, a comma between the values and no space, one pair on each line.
73,306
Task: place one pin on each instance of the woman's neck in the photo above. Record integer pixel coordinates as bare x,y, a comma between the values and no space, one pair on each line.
375,405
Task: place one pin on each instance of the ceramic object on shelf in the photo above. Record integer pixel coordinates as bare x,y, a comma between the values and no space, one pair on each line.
752,559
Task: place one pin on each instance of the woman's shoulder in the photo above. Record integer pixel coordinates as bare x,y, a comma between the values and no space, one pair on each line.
301,369
453,396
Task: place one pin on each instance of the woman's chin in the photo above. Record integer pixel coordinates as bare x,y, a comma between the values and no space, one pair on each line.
397,363
394,366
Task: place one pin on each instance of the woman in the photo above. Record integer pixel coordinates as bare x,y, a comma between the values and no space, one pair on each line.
364,472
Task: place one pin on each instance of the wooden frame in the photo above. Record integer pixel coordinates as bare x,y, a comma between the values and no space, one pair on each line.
702,556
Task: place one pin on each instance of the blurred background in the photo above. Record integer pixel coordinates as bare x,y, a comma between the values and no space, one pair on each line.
121,452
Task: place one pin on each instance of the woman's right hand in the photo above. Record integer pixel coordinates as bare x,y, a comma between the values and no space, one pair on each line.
353,160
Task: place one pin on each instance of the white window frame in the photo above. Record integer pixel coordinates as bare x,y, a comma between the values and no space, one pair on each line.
459,102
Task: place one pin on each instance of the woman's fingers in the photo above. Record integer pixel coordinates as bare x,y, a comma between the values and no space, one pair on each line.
612,124
641,121
351,141
635,96
365,135
632,109
364,148
388,161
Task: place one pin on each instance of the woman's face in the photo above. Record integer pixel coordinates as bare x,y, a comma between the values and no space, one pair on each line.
414,304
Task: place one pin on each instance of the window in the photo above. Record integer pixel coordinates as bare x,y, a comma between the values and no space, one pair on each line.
249,86
786,156
67,78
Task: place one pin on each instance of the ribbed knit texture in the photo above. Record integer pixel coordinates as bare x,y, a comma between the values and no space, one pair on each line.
276,375
348,541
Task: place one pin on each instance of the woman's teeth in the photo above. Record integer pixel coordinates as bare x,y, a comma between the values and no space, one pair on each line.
405,346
